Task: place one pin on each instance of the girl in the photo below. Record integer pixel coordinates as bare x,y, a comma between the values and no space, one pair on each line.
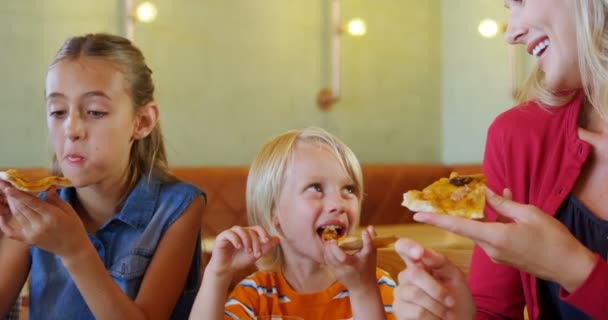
550,156
123,242
300,183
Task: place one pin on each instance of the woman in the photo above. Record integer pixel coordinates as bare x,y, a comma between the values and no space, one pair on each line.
549,159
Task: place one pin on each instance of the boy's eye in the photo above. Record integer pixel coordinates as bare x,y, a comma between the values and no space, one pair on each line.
316,187
350,189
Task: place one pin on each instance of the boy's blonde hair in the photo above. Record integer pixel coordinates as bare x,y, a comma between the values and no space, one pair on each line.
592,47
147,156
266,177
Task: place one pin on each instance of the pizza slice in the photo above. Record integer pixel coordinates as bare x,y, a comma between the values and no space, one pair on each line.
356,243
459,195
19,181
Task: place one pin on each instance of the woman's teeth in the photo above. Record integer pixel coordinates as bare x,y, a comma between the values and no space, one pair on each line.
540,48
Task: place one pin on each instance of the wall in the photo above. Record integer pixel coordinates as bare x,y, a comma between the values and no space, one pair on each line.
421,86
476,78
232,73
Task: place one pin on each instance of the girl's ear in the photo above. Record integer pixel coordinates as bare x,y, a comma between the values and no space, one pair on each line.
145,120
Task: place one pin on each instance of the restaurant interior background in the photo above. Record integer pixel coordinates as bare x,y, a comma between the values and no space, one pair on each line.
421,86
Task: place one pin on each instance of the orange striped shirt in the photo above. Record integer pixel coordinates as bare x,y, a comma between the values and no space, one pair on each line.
268,293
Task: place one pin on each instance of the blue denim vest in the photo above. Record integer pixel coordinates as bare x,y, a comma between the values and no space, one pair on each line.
125,244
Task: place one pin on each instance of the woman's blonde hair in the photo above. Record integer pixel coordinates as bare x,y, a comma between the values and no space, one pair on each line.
592,46
266,174
147,155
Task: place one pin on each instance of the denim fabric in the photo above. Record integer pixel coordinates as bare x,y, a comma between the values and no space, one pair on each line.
125,244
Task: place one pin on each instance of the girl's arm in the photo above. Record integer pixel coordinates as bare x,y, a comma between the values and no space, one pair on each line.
163,281
234,250
46,224
15,259
15,264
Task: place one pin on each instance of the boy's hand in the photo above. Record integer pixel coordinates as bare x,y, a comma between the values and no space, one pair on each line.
239,247
355,271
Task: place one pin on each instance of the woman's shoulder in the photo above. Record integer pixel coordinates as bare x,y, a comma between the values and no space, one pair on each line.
530,117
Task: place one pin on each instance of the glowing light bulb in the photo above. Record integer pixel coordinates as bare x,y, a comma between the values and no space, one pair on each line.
356,27
146,12
488,28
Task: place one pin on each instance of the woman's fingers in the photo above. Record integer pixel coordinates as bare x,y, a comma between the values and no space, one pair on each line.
420,278
415,303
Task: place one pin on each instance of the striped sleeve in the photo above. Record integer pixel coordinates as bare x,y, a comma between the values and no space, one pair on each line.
387,285
243,300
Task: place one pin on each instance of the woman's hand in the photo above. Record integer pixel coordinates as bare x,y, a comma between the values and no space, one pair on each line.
239,247
535,243
430,287
355,271
53,225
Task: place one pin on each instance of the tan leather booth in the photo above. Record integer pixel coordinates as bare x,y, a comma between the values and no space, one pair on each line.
384,185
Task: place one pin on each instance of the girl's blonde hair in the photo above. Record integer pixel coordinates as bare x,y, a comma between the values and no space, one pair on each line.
147,156
266,175
592,47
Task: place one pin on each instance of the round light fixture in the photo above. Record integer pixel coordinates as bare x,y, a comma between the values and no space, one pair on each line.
488,28
356,27
146,12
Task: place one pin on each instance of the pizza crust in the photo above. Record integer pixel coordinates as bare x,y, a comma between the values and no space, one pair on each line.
20,182
356,243
459,195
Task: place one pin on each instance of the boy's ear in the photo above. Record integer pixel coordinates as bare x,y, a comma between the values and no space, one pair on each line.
145,120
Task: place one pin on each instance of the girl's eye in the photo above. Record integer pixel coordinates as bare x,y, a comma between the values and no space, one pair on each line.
96,114
57,113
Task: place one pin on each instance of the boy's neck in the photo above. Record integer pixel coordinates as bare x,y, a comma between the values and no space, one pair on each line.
307,277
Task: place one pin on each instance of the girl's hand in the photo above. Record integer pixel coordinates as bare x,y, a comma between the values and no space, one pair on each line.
53,225
5,212
535,243
239,247
430,287
355,271
4,209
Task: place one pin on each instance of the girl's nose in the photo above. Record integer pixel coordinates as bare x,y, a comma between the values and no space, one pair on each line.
74,127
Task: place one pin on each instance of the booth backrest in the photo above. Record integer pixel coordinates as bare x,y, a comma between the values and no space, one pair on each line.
384,185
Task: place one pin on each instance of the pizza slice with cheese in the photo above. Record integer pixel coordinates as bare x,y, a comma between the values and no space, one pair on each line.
355,243
21,182
458,195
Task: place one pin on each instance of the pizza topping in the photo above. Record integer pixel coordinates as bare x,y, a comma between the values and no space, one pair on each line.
460,181
458,195
331,232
